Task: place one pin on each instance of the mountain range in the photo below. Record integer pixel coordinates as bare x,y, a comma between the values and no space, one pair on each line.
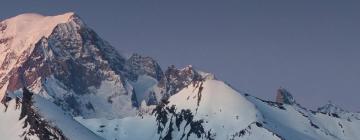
60,80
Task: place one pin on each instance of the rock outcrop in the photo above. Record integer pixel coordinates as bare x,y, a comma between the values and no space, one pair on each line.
284,97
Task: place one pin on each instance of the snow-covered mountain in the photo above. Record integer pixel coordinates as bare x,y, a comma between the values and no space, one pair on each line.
66,62
60,80
211,109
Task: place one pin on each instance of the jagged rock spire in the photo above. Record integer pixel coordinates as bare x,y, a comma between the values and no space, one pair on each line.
284,97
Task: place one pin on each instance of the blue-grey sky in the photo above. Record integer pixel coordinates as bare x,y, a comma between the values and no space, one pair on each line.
310,47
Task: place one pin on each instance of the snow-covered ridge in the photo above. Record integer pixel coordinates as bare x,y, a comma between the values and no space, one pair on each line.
331,108
211,109
68,63
28,28
32,117
18,36
334,110
74,73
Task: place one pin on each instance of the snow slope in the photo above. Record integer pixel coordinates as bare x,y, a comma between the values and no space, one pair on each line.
226,110
129,128
11,127
21,33
297,123
70,127
219,112
18,38
222,112
29,28
21,119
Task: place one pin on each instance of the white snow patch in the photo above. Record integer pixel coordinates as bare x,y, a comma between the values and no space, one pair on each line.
129,128
226,110
11,127
57,117
143,86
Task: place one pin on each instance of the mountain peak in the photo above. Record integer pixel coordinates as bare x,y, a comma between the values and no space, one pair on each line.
38,15
38,18
20,32
48,53
331,108
283,96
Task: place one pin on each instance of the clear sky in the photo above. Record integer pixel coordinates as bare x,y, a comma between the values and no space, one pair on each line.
310,47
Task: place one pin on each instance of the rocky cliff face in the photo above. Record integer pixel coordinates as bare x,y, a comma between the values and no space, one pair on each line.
177,79
64,60
72,66
38,127
138,65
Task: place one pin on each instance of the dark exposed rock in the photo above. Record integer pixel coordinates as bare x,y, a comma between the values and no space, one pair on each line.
8,57
165,114
259,124
78,57
3,26
314,125
90,106
5,40
37,126
168,135
152,99
74,104
274,104
134,101
178,79
138,65
284,97
245,131
5,101
335,115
